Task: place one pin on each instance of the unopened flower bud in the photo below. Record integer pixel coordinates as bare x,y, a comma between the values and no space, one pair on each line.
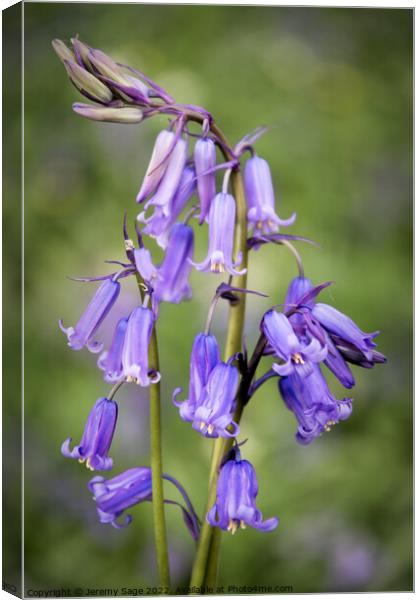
126,114
107,67
138,85
86,82
62,51
81,51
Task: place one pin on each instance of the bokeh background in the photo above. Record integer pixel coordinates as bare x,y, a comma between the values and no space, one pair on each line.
335,88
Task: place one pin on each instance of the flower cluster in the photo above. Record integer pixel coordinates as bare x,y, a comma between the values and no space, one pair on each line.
180,189
211,400
305,336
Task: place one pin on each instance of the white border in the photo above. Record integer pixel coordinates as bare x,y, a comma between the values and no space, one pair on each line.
293,3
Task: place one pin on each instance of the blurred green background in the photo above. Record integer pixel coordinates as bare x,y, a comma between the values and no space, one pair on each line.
335,88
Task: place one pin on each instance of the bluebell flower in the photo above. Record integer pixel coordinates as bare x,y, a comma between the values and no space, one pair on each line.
339,324
97,437
171,179
213,413
237,490
170,280
135,359
157,165
115,495
158,224
145,266
134,486
221,233
110,361
296,290
81,335
205,160
345,341
205,355
173,285
298,356
213,416
313,404
260,197
306,327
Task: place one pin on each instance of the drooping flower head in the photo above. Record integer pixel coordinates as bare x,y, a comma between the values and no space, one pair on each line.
298,355
110,361
212,414
134,486
97,437
313,404
306,327
173,284
260,196
158,225
135,359
205,355
221,232
81,335
205,160
237,490
115,495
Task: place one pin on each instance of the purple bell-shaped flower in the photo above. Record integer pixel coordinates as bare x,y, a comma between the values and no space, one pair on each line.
221,232
82,333
313,404
259,192
97,437
237,490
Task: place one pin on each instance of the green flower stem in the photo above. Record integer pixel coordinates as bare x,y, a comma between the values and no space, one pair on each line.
159,525
212,568
213,561
209,542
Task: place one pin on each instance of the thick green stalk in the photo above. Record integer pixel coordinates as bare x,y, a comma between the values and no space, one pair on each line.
159,525
212,568
209,542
